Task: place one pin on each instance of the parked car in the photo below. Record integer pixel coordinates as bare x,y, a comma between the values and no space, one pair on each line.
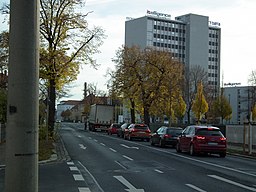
113,128
138,131
120,132
165,136
202,139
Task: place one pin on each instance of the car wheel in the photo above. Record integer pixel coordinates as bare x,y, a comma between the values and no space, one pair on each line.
191,150
151,142
178,148
161,143
223,155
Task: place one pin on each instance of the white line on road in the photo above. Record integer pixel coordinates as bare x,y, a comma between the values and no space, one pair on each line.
112,150
129,158
125,146
84,189
232,182
195,187
79,136
82,146
95,140
159,171
78,177
73,168
103,144
120,165
70,163
127,184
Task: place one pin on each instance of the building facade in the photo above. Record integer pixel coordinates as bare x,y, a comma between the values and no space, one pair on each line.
191,38
241,99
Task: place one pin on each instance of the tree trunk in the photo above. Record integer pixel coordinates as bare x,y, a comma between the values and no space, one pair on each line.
132,111
51,103
146,116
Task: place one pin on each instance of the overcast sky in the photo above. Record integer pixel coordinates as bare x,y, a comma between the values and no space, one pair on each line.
238,30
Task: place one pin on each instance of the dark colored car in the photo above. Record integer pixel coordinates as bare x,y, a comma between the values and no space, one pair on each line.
165,136
138,131
202,139
113,128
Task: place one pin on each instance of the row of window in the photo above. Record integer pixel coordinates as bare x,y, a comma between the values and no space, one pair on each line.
213,43
212,75
171,46
212,67
169,37
164,28
213,51
213,35
212,82
213,59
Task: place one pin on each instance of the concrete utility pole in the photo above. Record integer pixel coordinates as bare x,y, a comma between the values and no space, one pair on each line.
21,174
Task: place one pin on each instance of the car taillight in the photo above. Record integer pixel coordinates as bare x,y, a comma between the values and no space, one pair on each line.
200,137
223,139
148,131
167,136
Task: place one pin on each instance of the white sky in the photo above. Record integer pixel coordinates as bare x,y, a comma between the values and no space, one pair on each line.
238,30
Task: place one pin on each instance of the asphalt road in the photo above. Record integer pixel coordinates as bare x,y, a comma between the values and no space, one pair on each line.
112,164
105,163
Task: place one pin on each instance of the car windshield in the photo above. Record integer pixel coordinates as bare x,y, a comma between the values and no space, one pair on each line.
144,127
207,132
116,126
174,131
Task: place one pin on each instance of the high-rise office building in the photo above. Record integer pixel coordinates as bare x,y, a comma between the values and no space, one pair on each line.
191,38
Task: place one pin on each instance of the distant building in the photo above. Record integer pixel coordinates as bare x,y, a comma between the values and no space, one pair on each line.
63,106
241,99
192,39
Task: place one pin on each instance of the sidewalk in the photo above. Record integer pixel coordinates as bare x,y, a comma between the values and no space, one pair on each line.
59,154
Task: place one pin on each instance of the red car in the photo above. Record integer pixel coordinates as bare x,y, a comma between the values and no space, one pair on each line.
202,139
113,128
138,131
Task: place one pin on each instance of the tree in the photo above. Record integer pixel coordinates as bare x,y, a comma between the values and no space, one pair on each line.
221,108
179,108
4,50
66,43
254,112
200,106
193,77
144,77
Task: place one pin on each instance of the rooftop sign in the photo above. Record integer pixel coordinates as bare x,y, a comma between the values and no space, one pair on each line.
158,14
213,23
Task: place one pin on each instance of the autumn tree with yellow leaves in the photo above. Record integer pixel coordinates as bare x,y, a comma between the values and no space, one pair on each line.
147,78
200,105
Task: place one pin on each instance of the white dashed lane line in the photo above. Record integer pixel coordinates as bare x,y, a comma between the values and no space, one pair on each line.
102,144
78,177
84,189
129,158
73,168
158,171
112,150
195,188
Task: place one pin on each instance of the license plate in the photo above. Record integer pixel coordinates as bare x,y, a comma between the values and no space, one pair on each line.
212,143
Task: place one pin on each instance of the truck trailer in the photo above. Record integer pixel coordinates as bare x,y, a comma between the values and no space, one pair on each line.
101,117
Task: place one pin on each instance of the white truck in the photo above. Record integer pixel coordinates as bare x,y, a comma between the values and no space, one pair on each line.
101,117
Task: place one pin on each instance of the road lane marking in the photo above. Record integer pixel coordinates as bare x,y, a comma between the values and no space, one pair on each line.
125,146
195,187
112,150
79,136
232,182
120,165
70,163
82,146
95,140
93,178
84,189
159,171
73,168
78,177
127,157
103,144
130,187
